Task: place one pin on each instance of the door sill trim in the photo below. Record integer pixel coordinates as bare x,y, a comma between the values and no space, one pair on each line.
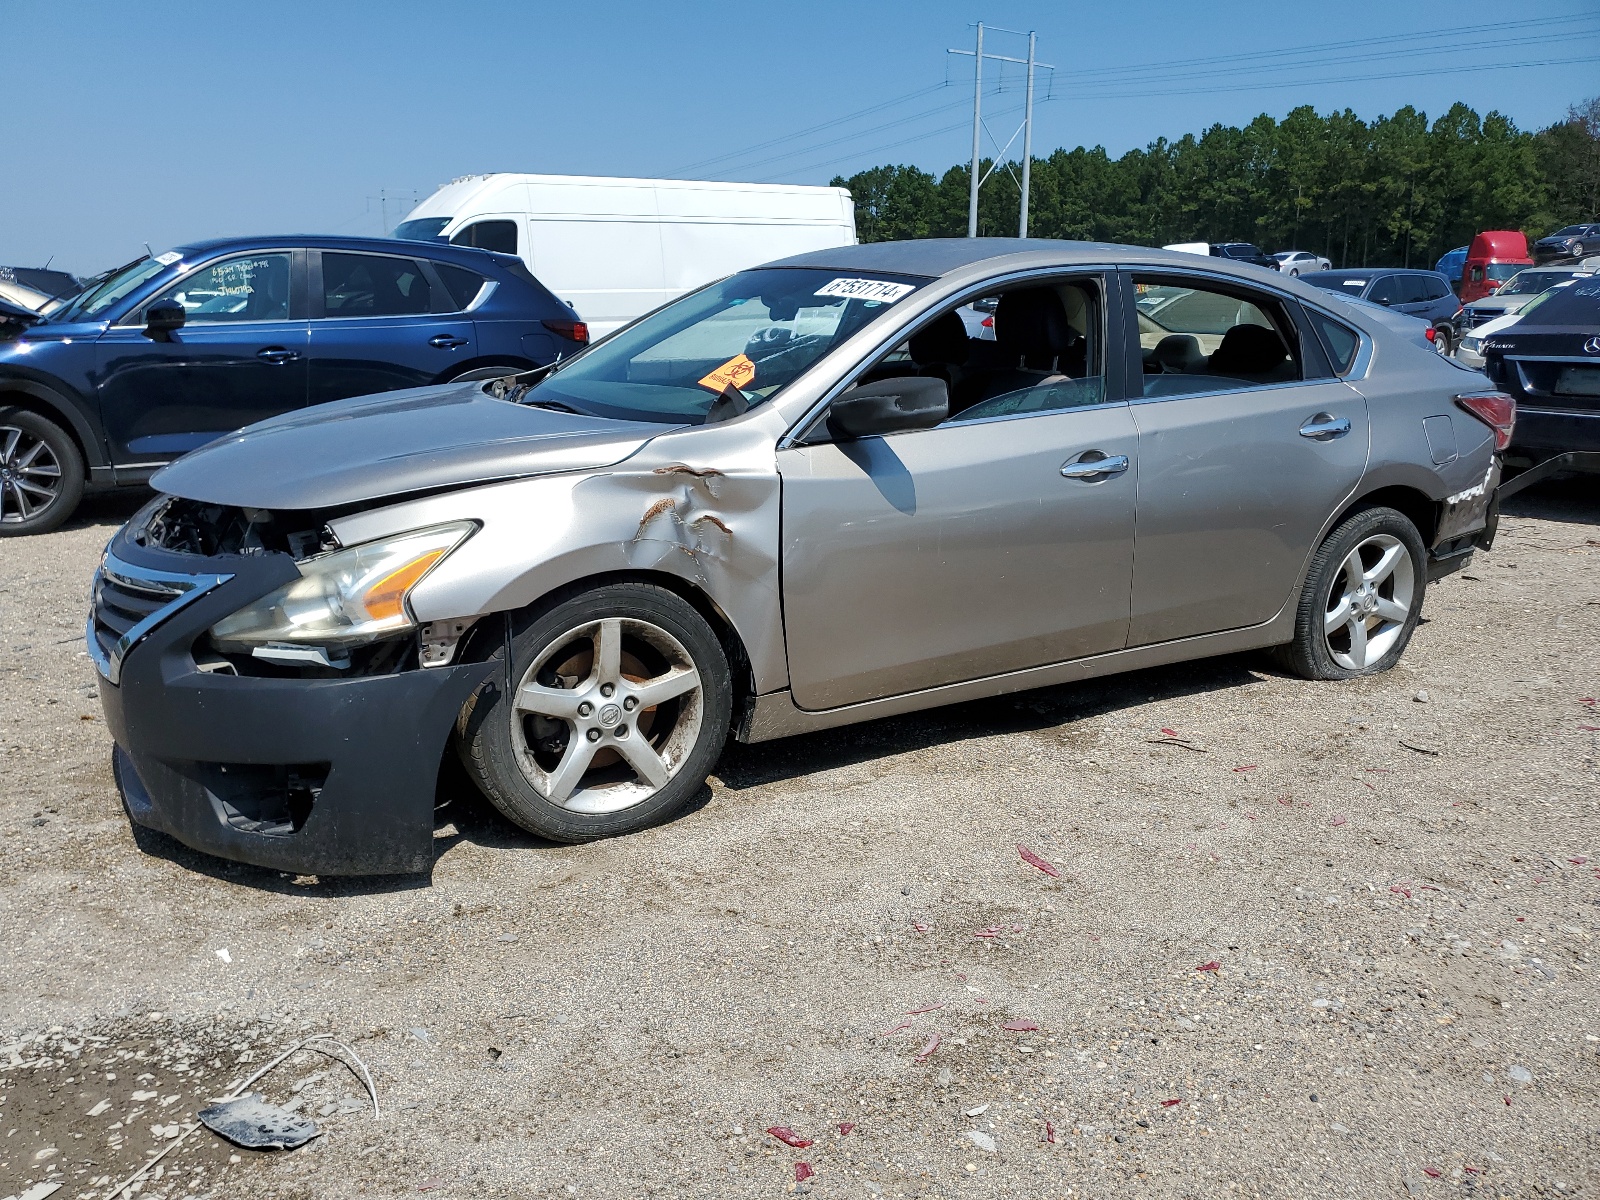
776,715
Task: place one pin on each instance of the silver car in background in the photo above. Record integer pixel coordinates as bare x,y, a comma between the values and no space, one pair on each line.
800,497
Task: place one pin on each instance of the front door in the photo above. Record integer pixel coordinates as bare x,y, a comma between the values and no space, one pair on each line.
1247,445
239,358
373,328
999,540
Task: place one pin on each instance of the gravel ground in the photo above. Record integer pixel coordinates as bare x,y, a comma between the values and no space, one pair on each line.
1331,939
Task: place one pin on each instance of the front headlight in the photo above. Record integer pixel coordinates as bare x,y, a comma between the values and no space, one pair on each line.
345,598
1471,344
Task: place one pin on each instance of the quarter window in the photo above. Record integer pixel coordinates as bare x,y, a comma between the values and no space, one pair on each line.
462,284
373,285
252,288
499,236
1338,339
1207,339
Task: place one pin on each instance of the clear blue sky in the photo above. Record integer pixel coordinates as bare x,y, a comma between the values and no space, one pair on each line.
179,120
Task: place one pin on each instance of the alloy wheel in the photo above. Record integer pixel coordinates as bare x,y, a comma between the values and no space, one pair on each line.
606,715
1369,602
30,475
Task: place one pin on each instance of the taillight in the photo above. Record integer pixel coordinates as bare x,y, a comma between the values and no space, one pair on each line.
576,330
1496,410
1432,334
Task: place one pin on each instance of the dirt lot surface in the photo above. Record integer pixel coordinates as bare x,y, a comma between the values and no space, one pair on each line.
1339,942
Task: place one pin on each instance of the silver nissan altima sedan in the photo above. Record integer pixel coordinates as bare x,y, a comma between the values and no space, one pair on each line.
799,497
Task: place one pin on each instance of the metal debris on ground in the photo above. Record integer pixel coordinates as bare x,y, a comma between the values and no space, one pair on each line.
251,1122
789,1137
1169,738
982,1141
1419,749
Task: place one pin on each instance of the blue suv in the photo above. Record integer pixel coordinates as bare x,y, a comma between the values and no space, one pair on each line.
173,351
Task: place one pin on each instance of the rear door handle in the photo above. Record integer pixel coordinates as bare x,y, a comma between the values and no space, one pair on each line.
277,355
1324,427
446,341
1093,464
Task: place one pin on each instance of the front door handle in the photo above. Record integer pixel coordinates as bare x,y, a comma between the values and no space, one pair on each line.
1093,464
276,355
1324,427
446,341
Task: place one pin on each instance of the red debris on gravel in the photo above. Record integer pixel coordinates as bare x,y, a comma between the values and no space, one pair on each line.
1169,732
1049,1133
1170,1103
1507,1099
1033,860
845,1127
1247,767
1399,890
1433,1172
789,1137
911,1012
929,1046
1021,1025
802,1172
989,931
1339,819
1286,801
1590,728
1577,862
920,926
894,1029
1213,965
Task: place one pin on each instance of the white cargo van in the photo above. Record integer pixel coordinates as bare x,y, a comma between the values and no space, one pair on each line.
616,248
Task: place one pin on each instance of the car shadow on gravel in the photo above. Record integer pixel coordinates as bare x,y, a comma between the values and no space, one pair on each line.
108,509
1572,499
1054,708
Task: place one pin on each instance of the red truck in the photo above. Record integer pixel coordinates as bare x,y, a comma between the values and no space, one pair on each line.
1494,257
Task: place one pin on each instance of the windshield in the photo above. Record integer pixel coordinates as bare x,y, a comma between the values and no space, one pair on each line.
1531,283
724,349
100,296
1498,270
423,229
1569,231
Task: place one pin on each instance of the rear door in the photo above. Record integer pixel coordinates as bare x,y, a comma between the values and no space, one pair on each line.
240,357
380,322
1247,444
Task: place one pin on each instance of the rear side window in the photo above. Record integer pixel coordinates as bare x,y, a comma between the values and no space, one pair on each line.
1386,290
499,236
462,284
1340,341
1211,338
373,285
1438,289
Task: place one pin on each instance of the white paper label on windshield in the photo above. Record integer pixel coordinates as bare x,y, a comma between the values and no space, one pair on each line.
866,289
167,259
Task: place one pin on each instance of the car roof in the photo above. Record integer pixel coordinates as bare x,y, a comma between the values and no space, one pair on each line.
935,257
324,241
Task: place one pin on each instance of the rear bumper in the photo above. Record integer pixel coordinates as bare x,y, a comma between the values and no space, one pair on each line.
1554,431
314,776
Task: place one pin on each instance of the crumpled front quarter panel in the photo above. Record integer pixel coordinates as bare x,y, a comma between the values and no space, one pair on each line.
700,504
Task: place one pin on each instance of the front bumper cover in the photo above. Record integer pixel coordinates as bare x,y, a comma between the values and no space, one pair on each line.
201,756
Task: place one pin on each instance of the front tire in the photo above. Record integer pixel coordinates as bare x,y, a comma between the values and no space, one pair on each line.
1362,598
41,474
621,705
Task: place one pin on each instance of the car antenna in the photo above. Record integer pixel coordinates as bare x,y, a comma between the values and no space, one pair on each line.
47,263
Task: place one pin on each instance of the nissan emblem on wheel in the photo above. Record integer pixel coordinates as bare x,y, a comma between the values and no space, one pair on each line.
804,496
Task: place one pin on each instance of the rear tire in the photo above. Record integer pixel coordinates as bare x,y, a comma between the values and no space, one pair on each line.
41,474
1362,598
1442,341
621,706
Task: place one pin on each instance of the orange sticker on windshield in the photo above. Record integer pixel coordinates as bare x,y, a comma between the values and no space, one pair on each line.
735,373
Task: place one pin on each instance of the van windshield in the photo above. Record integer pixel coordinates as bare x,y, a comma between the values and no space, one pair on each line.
423,229
722,350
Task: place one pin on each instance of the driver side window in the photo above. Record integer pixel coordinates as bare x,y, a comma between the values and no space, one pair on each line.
252,288
1034,348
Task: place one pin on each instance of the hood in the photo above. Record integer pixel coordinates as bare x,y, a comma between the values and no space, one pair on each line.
1496,303
392,444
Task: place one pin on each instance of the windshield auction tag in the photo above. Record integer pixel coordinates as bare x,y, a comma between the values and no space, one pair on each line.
736,373
866,289
167,259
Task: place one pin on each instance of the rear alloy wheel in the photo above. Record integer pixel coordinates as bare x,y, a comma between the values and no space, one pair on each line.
1362,598
41,474
620,709
1442,342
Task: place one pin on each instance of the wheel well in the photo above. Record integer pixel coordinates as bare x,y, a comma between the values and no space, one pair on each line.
14,398
1422,511
513,361
489,633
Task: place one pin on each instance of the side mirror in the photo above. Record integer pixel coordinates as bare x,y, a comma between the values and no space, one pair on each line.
889,406
162,318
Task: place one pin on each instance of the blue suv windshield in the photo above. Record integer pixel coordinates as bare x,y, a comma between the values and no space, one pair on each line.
98,297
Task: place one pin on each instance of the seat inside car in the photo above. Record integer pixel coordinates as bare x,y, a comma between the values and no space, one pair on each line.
1036,342
942,349
1252,352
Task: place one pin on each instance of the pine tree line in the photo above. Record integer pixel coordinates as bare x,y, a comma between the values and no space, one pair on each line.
1395,192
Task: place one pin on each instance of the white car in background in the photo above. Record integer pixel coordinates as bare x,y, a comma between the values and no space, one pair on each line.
23,295
1301,262
1469,350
